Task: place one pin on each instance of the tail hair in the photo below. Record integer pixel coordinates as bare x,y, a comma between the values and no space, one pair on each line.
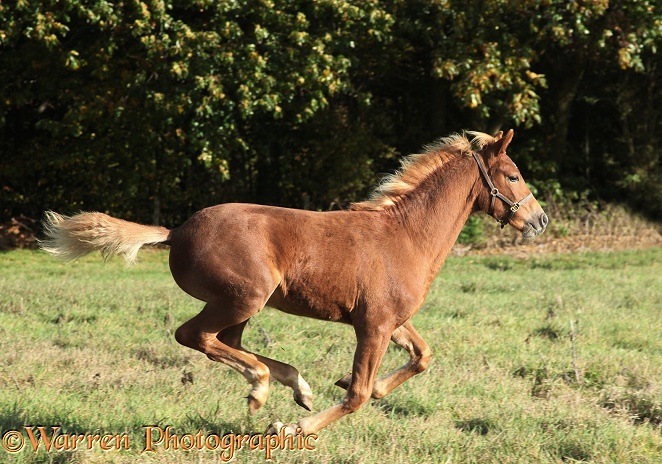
69,238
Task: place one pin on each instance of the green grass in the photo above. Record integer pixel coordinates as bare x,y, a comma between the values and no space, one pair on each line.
88,346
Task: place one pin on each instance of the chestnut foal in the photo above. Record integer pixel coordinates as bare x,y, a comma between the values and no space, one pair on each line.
370,266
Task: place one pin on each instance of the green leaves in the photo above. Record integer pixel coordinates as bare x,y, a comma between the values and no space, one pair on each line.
256,100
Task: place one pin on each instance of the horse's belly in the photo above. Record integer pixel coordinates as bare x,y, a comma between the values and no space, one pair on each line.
324,305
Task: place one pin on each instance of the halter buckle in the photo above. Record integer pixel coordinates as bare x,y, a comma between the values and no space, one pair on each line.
515,207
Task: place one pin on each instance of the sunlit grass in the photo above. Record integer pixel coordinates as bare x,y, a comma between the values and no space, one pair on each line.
88,346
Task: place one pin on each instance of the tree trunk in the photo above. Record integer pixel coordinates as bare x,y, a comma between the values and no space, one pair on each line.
570,75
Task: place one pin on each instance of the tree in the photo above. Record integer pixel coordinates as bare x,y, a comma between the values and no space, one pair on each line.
154,109
151,101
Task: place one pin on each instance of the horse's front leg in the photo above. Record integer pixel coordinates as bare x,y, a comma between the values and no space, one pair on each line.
407,338
371,345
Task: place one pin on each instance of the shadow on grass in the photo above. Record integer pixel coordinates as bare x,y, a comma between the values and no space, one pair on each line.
475,425
404,408
572,450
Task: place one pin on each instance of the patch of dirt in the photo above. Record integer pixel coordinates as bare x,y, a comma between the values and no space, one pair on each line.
575,243
587,228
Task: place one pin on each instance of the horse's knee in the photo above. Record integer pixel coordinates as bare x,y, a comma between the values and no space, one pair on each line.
354,401
423,359
379,391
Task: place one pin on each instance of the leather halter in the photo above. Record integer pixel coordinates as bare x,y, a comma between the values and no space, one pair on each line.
494,192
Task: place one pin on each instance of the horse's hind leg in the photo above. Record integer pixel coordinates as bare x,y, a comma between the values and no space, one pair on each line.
407,338
282,372
200,333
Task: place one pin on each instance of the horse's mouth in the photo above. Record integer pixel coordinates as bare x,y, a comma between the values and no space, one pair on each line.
530,232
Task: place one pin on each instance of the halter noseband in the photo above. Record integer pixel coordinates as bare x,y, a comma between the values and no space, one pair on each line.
494,192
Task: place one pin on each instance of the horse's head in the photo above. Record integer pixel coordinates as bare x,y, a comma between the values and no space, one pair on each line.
506,196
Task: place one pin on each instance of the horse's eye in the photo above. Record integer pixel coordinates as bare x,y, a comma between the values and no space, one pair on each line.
513,179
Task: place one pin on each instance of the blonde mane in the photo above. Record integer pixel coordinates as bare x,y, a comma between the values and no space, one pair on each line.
414,169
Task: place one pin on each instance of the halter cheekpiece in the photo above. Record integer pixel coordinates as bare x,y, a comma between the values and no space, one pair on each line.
494,192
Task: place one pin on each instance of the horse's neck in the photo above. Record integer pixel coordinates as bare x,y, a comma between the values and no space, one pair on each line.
435,219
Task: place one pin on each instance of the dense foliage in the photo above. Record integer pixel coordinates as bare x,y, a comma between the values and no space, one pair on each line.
154,109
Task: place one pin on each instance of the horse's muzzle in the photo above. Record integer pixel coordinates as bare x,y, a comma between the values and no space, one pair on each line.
535,226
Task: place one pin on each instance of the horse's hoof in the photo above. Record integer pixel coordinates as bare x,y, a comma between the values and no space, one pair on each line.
344,382
274,428
305,401
278,428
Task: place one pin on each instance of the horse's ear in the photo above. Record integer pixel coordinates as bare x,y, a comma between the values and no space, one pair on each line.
498,147
506,141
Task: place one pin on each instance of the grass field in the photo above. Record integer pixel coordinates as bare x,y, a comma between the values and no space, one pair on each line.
556,358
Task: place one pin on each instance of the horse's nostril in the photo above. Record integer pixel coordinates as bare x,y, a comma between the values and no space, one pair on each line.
544,220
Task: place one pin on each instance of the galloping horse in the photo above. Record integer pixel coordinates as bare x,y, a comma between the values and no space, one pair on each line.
370,266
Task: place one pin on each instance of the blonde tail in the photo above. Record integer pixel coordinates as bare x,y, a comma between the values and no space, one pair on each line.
69,238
